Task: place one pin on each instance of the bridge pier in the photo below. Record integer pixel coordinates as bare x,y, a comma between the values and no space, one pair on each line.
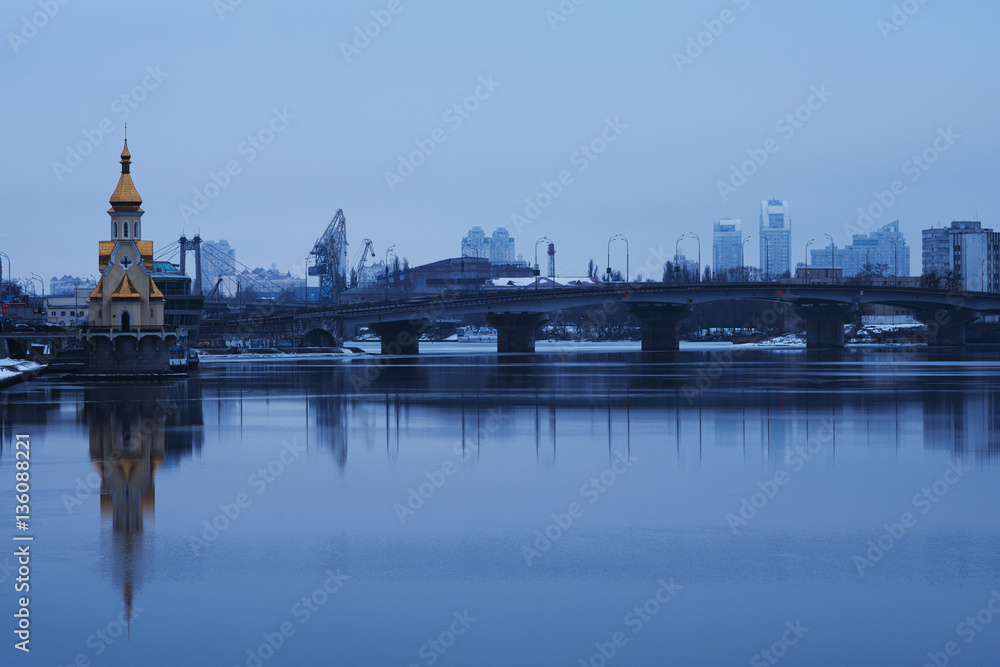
659,325
946,328
825,325
516,331
400,337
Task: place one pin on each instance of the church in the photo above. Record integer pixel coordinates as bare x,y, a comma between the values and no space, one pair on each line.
125,332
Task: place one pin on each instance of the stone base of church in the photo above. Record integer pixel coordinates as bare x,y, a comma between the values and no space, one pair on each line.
112,352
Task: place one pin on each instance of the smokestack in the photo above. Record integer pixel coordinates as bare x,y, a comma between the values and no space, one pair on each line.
552,260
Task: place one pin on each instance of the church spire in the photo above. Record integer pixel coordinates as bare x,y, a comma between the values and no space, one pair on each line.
125,196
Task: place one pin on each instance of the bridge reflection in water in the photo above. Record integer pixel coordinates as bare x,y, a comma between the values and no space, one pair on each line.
689,402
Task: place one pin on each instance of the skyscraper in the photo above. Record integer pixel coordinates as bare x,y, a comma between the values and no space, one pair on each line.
476,244
498,248
970,253
885,247
501,247
775,238
218,259
727,246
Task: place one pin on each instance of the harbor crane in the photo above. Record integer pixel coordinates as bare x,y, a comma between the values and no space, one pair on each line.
367,250
330,263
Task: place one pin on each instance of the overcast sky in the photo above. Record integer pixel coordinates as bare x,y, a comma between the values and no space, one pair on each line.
665,119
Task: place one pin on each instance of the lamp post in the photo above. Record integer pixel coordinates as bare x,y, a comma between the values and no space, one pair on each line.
698,239
9,273
743,264
677,254
40,282
806,269
767,260
895,264
618,237
833,256
387,251
470,247
536,270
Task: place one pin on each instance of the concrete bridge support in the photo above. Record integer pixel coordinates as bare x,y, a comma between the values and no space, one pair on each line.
946,328
825,325
659,325
401,337
516,331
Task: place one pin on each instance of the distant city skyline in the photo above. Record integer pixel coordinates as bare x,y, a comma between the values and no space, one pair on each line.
775,237
555,138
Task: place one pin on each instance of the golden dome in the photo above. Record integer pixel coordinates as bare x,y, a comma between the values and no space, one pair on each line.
125,196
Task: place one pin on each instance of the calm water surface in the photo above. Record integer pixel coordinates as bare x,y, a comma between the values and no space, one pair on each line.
580,506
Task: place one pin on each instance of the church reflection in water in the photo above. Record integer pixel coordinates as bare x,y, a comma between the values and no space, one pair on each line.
135,429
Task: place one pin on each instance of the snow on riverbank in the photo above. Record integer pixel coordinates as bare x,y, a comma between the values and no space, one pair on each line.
15,370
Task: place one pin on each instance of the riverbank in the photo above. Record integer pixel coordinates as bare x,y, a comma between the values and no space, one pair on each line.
13,371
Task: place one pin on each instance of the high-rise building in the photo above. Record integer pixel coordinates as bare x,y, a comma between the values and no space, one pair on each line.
727,246
936,251
966,251
476,244
501,247
218,259
498,248
886,246
775,238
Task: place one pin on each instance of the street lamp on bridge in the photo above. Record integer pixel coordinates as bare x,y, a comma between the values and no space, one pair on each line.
616,237
698,239
387,251
10,275
466,244
833,256
743,264
536,270
895,264
806,269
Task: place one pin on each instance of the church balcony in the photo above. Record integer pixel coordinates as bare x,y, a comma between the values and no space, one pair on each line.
88,331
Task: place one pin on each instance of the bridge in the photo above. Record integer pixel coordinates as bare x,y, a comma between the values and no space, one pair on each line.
659,308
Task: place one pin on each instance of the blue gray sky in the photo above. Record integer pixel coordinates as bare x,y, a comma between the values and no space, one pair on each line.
331,114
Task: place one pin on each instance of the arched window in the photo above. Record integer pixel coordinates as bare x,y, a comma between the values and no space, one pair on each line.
135,229
125,229
114,229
